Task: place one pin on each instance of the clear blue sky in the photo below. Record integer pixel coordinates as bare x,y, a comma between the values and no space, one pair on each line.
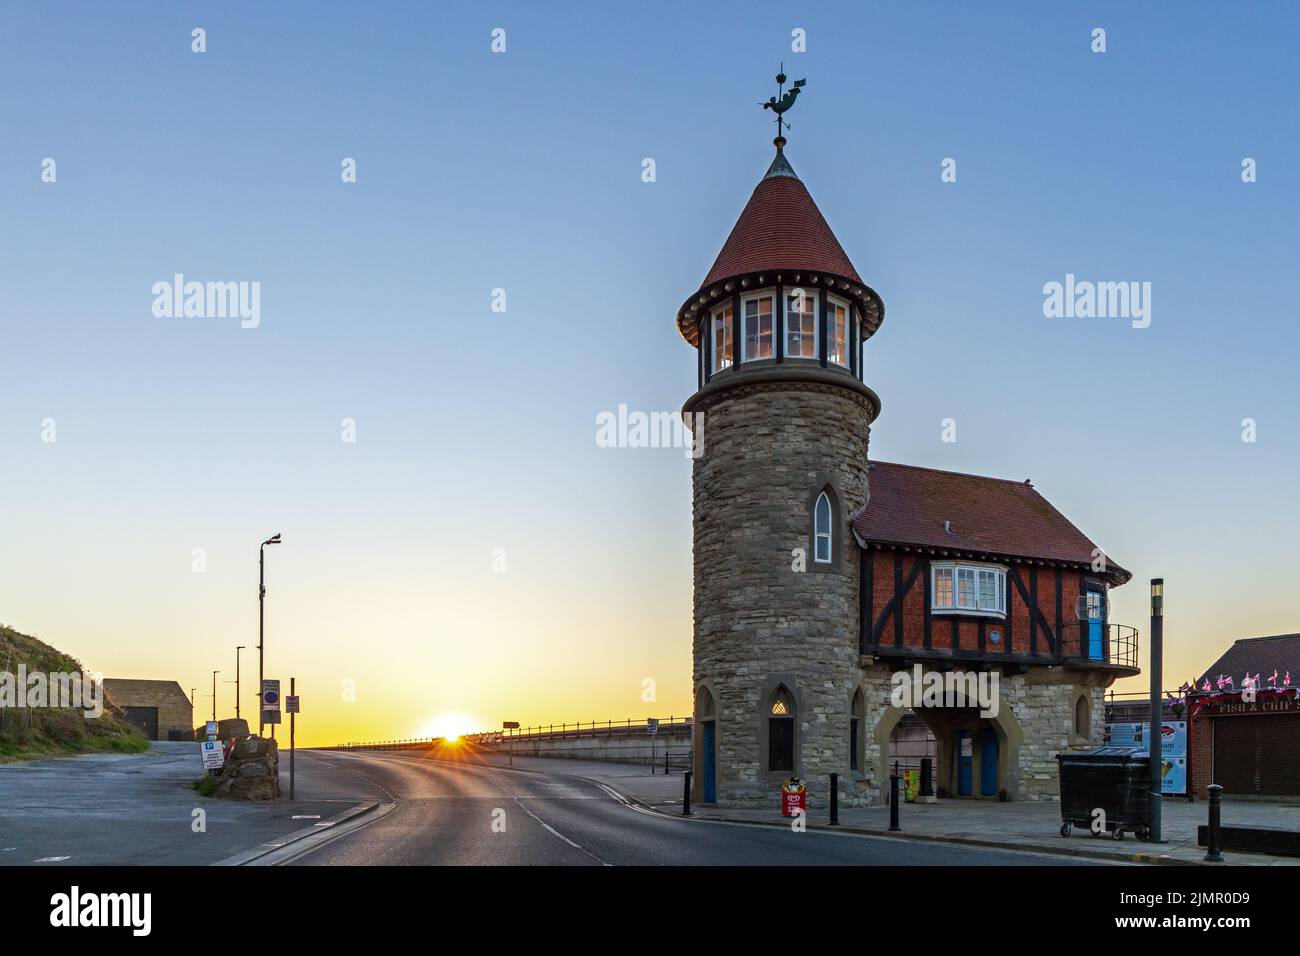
522,170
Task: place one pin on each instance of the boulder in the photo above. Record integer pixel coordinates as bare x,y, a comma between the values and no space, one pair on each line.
253,748
232,728
251,772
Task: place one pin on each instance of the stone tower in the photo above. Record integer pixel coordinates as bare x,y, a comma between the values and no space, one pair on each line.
779,323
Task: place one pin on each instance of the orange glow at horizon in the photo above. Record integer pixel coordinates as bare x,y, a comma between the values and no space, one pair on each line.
451,726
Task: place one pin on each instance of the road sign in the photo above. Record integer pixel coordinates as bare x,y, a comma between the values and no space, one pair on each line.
271,717
291,704
652,725
213,756
270,695
212,728
509,725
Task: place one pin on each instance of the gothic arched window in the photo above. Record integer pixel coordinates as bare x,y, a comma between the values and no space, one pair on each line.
856,711
780,731
1081,721
822,529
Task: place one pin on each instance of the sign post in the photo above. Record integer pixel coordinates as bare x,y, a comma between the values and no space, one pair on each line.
271,703
652,728
213,756
1156,743
510,725
291,705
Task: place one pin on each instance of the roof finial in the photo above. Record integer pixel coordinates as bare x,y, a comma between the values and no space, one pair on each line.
781,102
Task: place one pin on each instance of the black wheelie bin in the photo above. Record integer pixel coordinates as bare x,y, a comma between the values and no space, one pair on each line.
1115,780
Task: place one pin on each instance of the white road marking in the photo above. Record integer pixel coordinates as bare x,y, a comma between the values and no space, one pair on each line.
555,832
53,859
294,851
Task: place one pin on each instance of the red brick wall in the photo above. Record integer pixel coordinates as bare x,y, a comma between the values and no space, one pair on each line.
1202,744
913,609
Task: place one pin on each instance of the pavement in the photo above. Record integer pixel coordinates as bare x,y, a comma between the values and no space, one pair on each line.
102,809
1028,825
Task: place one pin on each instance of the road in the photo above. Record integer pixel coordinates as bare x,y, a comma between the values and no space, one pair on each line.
464,812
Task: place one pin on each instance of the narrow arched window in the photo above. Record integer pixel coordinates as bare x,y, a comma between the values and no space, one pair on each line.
855,730
1081,721
822,529
780,731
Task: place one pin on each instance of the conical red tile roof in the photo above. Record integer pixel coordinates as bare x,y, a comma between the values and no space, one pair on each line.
781,232
781,228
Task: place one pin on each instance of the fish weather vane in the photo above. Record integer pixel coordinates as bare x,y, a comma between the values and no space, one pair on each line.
782,102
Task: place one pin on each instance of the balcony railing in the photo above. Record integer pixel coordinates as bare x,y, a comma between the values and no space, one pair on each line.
1100,643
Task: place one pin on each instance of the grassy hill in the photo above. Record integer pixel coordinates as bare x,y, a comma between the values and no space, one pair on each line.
49,731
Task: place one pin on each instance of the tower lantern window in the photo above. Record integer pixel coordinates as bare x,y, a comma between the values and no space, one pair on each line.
758,328
837,332
723,347
801,324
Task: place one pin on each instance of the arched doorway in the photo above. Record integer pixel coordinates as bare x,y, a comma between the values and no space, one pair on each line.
973,756
706,717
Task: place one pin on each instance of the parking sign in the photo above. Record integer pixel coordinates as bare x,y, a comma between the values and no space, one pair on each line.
213,755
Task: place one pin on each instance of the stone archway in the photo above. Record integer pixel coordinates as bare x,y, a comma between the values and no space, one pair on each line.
1004,723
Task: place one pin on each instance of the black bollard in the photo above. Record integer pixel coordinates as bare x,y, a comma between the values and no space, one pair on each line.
893,801
1212,854
927,781
835,799
686,793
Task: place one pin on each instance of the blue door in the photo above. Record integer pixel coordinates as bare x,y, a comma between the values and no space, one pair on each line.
988,762
1096,649
710,764
965,761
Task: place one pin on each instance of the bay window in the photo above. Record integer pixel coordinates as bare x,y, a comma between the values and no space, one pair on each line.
970,588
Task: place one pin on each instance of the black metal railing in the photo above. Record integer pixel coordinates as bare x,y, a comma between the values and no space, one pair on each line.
1100,643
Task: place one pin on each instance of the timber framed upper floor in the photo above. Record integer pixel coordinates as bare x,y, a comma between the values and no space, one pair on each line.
964,568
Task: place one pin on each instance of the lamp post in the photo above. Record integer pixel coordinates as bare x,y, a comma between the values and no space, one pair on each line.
238,648
261,600
1157,703
214,694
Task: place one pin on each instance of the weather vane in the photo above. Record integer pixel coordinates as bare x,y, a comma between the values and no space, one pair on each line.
783,103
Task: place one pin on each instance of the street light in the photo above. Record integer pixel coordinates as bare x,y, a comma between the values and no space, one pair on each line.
214,694
238,648
261,600
1154,748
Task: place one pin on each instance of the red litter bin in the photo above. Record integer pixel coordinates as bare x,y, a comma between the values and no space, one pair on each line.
794,798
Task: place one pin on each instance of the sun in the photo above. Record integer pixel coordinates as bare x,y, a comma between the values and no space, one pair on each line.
450,726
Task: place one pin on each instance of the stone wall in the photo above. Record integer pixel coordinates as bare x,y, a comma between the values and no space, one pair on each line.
1044,702
601,744
251,771
770,447
1034,722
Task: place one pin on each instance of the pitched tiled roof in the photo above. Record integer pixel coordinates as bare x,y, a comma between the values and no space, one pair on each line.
994,517
1258,655
781,228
